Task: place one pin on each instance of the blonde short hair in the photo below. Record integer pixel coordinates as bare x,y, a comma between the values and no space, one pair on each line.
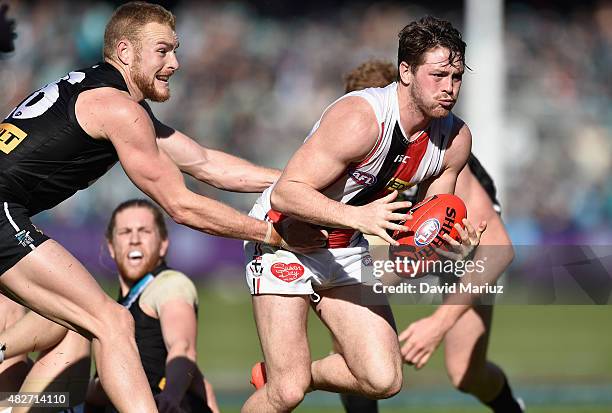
128,20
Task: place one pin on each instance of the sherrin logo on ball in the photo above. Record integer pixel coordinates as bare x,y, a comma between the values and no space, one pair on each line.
427,232
431,219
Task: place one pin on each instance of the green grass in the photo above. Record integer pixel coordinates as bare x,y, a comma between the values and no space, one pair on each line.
534,343
560,358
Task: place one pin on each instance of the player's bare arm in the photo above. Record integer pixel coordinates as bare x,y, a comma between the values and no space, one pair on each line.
346,134
179,330
107,113
216,168
455,160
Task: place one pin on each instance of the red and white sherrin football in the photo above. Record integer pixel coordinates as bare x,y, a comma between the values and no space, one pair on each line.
431,219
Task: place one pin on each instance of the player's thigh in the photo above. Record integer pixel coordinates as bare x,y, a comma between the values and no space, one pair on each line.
467,341
52,282
363,326
281,324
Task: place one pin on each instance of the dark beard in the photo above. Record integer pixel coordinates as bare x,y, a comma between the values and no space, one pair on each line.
146,87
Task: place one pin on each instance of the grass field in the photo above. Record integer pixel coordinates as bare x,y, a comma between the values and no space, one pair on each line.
558,358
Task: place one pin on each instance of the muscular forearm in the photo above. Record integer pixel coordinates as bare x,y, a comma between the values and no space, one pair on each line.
249,178
31,333
216,218
307,204
231,173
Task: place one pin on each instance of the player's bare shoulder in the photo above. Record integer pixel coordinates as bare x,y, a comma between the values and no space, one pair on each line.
102,110
349,126
460,143
460,128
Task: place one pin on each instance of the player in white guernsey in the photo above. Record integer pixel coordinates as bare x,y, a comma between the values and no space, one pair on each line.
465,334
366,146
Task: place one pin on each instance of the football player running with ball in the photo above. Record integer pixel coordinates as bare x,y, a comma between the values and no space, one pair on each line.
466,332
345,178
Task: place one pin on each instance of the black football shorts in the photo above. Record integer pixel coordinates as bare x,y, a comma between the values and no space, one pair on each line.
18,236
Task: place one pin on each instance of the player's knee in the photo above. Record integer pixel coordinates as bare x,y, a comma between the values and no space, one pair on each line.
287,396
382,383
118,321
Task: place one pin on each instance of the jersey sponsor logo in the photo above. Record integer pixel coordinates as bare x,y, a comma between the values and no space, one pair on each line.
23,238
427,232
10,137
401,159
362,178
287,272
396,184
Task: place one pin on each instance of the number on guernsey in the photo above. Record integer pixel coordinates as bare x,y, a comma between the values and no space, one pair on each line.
40,101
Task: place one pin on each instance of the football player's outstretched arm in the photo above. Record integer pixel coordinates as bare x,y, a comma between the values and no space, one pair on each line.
346,134
216,168
107,113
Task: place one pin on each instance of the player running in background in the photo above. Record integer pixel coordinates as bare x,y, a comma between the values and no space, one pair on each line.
69,133
466,340
343,179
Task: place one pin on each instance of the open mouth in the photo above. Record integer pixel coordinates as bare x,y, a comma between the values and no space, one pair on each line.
135,257
162,78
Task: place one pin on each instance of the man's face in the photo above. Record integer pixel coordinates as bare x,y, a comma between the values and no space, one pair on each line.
434,87
136,245
155,61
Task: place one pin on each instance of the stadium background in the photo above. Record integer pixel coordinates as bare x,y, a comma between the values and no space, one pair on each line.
256,75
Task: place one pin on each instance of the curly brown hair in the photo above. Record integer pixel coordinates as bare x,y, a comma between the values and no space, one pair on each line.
371,73
427,33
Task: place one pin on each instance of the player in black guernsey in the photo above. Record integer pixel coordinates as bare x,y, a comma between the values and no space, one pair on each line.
66,135
466,338
164,304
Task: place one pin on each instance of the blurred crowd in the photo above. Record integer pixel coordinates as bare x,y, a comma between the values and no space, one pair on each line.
253,84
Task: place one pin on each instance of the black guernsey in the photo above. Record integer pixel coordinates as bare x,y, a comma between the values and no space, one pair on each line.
45,155
150,343
149,337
